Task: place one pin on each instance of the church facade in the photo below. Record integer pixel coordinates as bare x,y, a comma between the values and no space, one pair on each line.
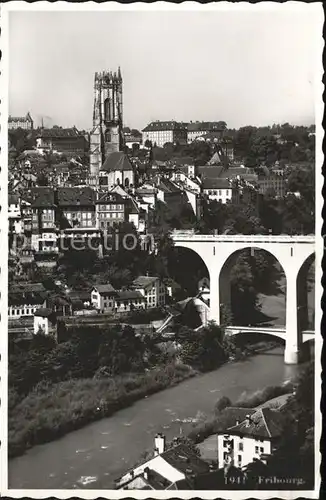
106,136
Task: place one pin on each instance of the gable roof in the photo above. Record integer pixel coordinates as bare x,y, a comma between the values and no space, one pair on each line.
116,161
229,417
105,289
212,171
143,281
76,196
110,198
129,295
216,183
182,458
43,197
264,423
119,190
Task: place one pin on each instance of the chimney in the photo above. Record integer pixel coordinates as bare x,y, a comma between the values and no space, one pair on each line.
159,444
248,420
146,473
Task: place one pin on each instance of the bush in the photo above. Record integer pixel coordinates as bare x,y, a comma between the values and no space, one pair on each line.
261,396
222,403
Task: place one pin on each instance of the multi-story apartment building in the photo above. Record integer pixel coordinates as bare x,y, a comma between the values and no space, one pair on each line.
160,133
152,288
110,210
44,218
24,122
77,206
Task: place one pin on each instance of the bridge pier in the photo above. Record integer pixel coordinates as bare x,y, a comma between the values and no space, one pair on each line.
291,352
214,293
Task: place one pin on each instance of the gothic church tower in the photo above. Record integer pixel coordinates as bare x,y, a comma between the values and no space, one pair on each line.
106,136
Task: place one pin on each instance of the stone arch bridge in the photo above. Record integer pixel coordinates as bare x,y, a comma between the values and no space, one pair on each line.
292,252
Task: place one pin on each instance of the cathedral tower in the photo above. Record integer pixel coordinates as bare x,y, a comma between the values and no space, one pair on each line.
107,135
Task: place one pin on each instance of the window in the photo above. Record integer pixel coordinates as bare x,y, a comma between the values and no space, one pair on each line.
256,449
261,449
220,192
240,446
225,443
225,455
239,459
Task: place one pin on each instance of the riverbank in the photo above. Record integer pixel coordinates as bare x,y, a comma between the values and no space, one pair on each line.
98,453
51,411
259,398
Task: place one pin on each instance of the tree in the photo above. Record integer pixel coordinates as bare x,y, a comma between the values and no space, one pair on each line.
221,404
42,179
148,144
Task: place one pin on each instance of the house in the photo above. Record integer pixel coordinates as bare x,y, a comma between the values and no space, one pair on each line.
103,298
77,206
170,468
217,189
14,214
44,321
152,289
25,299
110,210
26,214
129,300
44,210
162,132
136,215
60,305
116,170
247,434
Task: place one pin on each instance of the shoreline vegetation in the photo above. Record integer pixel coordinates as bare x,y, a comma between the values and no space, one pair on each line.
52,410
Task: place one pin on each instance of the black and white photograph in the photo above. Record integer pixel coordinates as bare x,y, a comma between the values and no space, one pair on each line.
161,245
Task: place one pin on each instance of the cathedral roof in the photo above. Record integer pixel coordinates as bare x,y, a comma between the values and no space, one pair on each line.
117,161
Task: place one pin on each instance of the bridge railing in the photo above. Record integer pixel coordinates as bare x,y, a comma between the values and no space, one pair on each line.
282,238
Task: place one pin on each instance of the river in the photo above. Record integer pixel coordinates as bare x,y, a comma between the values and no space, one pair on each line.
95,455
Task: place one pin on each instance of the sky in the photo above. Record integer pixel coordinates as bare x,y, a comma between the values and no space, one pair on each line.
243,67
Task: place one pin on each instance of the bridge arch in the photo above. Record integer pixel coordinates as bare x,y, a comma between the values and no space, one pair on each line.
188,267
242,315
290,251
306,284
